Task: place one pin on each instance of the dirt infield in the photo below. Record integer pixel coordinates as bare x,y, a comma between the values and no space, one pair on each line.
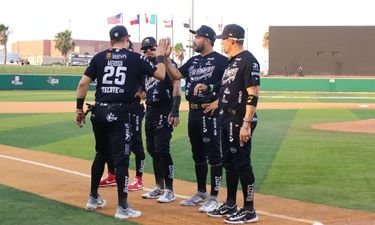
361,126
67,180
58,107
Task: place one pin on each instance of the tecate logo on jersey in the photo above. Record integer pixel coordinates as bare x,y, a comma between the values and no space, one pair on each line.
113,90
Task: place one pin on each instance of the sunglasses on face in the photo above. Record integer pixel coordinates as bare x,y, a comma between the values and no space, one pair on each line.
151,48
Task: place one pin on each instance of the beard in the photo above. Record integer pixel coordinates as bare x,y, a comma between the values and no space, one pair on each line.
198,48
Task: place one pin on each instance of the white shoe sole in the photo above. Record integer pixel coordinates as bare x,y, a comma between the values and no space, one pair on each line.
255,220
166,200
137,189
91,207
123,217
151,197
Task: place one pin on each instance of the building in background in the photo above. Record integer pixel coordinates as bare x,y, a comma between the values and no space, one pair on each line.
321,50
43,52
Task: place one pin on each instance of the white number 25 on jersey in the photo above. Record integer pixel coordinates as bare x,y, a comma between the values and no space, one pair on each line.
118,73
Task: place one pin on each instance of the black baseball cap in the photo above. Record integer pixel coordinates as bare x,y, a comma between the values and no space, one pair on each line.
232,31
148,42
118,32
205,31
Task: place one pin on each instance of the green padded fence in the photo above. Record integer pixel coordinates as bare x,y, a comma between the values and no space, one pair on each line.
318,84
69,82
40,82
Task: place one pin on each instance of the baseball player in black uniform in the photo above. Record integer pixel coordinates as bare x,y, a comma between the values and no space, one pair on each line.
137,113
203,75
119,74
163,99
238,99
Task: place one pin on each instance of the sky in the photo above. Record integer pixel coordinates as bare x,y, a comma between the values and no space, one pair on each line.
41,19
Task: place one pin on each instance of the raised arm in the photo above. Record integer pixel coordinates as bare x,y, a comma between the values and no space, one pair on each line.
160,53
172,71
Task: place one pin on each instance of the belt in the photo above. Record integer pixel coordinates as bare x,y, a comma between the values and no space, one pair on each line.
198,105
112,103
230,111
163,106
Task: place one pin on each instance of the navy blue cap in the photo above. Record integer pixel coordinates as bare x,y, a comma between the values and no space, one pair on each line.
232,31
205,31
118,32
148,42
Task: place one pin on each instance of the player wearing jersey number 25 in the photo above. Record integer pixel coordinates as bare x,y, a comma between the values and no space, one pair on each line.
118,73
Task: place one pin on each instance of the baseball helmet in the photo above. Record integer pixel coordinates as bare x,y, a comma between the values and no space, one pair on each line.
148,42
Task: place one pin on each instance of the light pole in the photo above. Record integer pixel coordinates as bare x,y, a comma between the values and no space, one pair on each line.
191,50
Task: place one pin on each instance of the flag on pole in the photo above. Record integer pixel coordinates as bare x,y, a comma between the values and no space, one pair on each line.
135,20
220,27
114,19
168,23
153,19
186,25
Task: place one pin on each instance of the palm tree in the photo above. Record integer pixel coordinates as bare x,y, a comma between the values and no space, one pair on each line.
266,40
266,47
64,43
179,52
4,32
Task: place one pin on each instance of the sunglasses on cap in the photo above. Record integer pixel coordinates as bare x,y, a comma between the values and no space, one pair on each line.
147,48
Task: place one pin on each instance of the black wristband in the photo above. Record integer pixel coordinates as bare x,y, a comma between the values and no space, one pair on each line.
160,59
80,102
176,106
252,100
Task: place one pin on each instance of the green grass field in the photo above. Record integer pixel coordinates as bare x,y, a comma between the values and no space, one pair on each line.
290,159
27,209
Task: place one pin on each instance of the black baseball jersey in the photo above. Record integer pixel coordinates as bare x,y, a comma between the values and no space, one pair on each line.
208,70
242,72
159,92
116,80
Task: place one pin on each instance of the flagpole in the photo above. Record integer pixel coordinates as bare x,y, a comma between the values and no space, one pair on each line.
172,37
247,38
221,31
139,29
191,50
156,27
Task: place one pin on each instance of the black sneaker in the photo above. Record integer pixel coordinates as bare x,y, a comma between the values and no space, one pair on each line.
242,216
223,210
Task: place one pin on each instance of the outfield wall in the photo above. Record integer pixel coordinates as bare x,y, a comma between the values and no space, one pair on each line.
318,84
69,82
40,82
